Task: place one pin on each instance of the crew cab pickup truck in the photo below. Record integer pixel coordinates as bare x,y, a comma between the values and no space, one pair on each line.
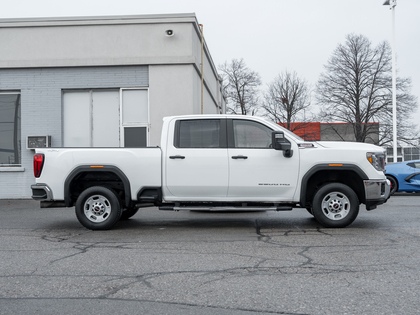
214,163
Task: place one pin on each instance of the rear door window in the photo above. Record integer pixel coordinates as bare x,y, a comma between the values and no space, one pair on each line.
202,133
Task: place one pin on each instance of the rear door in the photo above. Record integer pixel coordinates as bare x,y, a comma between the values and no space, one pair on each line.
196,161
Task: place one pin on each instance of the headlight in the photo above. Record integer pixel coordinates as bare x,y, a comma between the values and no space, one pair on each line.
377,160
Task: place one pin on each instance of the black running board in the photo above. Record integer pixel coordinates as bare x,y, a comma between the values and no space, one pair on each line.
226,208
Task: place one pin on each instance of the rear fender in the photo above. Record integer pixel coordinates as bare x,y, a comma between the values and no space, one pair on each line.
89,169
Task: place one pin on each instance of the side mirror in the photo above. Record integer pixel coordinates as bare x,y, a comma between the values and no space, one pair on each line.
279,142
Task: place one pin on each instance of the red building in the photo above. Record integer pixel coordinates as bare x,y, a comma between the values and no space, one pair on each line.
316,131
310,131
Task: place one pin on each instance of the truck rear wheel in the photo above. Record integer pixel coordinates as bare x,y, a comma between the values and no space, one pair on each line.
98,208
335,205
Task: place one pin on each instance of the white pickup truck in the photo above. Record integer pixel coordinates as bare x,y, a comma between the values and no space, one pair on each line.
214,163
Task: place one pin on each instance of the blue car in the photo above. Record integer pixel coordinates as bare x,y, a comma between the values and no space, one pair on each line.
404,176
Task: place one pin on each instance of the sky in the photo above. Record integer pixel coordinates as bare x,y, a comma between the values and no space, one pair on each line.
270,35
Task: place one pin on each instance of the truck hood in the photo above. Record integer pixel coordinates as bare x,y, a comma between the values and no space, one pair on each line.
346,145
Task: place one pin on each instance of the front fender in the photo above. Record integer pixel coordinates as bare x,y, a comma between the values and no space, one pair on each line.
333,167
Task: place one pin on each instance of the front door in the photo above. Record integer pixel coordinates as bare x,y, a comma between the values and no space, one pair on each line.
256,171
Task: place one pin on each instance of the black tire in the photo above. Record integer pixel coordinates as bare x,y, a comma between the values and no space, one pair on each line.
128,213
335,205
394,184
98,208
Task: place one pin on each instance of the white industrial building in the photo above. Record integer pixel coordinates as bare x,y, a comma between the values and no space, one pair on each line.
96,82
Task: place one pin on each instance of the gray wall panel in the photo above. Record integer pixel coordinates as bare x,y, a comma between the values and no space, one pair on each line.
41,107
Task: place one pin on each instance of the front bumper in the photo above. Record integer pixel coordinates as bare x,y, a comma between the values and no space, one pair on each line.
377,192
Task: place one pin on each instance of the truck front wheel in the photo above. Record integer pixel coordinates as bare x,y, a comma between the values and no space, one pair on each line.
335,205
128,213
98,208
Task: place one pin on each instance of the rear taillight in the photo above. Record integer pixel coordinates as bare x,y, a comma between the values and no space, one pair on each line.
38,164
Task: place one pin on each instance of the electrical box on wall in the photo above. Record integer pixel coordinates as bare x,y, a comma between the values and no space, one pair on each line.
33,142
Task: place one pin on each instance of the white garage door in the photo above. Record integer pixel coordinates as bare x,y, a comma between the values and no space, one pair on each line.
105,118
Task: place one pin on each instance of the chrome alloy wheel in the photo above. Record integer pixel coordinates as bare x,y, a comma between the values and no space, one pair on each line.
335,206
97,208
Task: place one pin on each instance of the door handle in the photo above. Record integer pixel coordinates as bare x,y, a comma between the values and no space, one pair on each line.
173,157
237,157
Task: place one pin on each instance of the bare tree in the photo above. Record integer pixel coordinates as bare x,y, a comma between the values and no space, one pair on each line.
356,88
240,86
287,99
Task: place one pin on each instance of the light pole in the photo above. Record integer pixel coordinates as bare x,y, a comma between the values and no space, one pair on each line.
393,4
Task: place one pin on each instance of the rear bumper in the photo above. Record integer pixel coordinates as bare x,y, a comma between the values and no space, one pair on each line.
377,192
41,192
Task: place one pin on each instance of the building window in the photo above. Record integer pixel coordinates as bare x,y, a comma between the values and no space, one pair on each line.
134,118
10,148
411,153
390,155
390,151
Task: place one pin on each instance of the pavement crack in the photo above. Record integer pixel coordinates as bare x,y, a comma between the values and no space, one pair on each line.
309,260
81,248
319,230
261,237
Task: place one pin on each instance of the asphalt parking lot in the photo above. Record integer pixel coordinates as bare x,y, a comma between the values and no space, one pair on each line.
210,263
